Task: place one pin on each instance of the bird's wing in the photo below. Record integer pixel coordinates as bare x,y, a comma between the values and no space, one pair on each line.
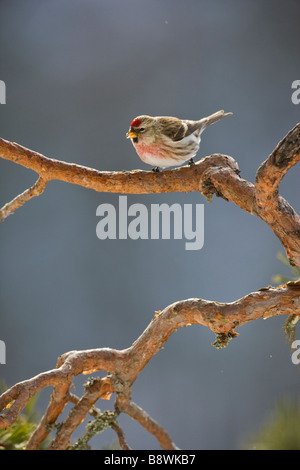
172,127
176,129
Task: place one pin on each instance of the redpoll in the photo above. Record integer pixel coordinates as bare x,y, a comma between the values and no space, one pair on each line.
165,141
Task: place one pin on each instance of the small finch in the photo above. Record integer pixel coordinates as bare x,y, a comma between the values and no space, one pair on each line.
165,141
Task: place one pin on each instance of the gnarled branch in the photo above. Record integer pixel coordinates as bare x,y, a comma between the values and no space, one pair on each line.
125,365
216,174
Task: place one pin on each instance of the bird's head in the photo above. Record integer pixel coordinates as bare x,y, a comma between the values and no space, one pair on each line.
142,130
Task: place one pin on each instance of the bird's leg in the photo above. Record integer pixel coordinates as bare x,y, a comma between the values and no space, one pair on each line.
156,169
191,162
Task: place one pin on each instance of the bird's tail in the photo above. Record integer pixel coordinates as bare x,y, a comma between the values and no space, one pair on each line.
207,121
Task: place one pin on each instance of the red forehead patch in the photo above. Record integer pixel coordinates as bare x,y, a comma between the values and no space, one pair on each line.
136,123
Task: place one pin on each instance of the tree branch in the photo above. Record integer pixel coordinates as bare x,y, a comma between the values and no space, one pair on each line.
20,200
271,207
137,413
216,174
125,365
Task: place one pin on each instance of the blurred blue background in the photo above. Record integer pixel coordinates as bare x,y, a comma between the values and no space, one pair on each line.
76,74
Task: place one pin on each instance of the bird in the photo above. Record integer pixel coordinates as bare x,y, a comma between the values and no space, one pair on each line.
165,141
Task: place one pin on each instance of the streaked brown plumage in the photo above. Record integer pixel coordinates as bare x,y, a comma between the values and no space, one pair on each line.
165,141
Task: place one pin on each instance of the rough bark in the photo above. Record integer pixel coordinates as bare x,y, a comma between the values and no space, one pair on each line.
216,174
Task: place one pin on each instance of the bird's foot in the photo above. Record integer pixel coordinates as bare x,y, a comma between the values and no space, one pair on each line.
191,162
156,169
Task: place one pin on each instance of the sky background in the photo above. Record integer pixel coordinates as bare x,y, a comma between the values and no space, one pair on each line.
76,74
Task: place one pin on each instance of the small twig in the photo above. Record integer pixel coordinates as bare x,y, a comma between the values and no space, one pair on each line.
96,412
21,199
93,411
135,412
105,420
120,434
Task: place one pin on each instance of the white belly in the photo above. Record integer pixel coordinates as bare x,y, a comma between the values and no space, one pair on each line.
164,157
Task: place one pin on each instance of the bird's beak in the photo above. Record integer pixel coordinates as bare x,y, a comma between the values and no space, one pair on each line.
131,135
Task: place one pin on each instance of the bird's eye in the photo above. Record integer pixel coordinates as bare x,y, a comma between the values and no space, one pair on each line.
141,129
